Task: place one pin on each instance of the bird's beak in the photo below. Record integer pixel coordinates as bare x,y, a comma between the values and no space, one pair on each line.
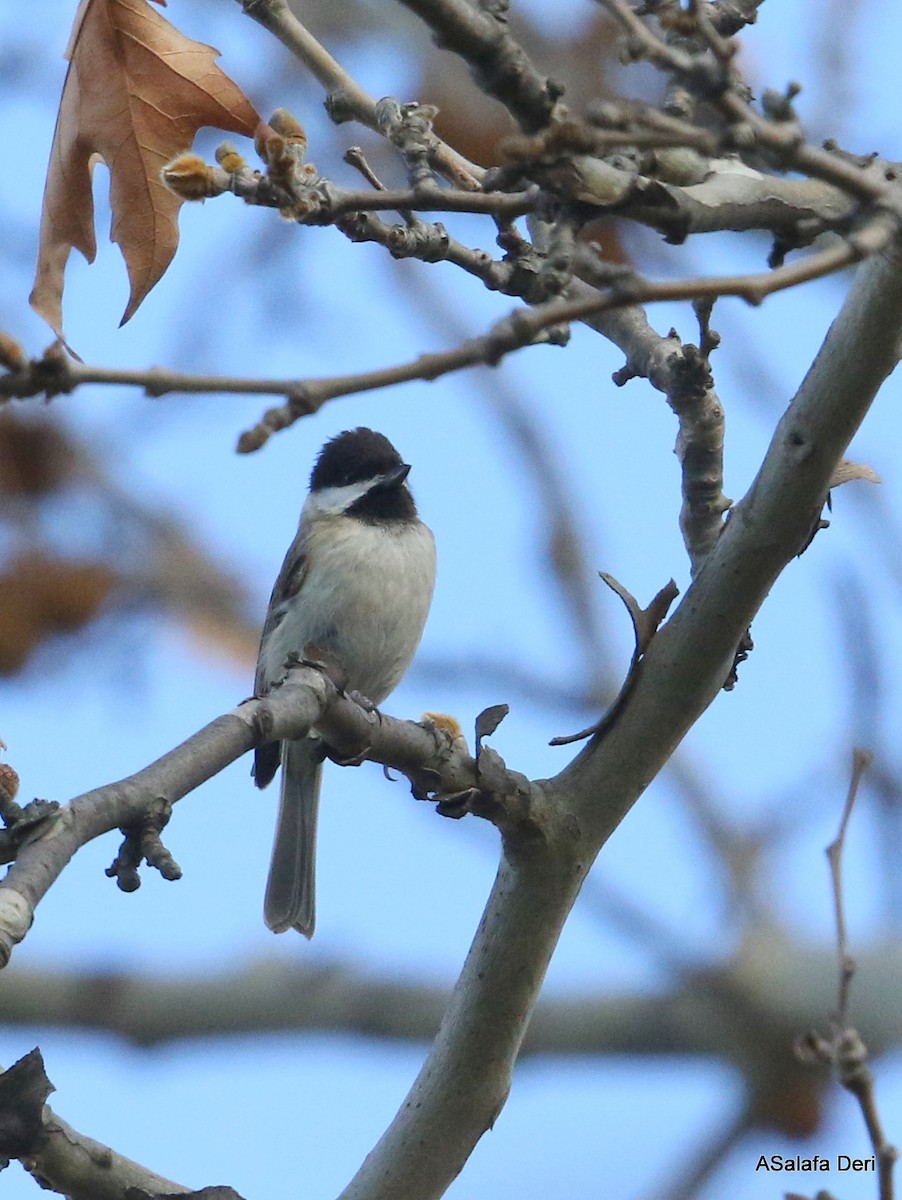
392,478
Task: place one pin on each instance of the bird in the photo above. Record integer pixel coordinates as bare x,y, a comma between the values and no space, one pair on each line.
357,583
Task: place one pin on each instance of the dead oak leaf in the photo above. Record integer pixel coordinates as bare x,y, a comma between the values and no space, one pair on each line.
136,93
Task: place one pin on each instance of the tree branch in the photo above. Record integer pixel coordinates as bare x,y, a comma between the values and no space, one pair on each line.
714,79
845,1050
778,977
58,1157
307,697
57,372
464,1081
346,100
466,1077
729,196
500,65
689,659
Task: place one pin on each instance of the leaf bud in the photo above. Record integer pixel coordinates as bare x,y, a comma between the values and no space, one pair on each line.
229,158
190,177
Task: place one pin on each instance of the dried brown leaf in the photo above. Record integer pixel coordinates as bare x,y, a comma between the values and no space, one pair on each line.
42,596
135,95
846,470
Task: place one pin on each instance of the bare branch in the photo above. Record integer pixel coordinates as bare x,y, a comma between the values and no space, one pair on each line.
732,199
510,334
499,63
57,372
717,81
846,1050
305,995
645,622
765,531
861,760
325,201
849,1052
307,697
58,1157
346,100
465,1078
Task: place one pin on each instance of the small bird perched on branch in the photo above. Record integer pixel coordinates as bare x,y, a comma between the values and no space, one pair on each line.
356,582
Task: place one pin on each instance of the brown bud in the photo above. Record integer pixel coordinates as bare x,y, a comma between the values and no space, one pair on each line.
289,127
190,177
252,439
12,356
449,725
261,133
229,158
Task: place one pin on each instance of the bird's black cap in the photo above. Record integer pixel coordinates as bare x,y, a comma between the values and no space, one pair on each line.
353,456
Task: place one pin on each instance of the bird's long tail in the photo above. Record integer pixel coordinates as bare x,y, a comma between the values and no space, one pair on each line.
291,888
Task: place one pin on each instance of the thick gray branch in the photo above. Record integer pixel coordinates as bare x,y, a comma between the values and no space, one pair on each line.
727,195
465,1078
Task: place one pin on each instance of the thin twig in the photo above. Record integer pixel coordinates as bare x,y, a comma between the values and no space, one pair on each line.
511,333
56,373
752,288
346,99
846,1049
503,205
861,760
783,138
355,158
325,200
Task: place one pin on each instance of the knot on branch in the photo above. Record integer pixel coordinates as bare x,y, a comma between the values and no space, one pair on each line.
418,240
530,275
409,129
690,376
142,843
556,272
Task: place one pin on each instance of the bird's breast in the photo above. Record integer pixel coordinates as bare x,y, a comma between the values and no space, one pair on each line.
365,599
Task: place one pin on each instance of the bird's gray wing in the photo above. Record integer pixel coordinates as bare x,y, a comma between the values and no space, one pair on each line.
288,584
